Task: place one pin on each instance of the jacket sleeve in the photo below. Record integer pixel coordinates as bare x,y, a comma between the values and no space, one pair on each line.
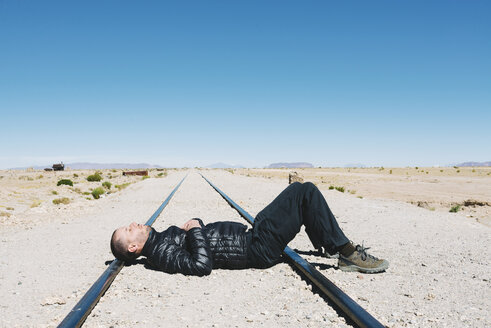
197,261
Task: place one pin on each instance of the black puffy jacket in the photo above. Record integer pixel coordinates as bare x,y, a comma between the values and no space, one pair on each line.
199,250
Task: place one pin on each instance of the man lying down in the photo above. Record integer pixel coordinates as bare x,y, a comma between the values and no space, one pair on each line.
196,249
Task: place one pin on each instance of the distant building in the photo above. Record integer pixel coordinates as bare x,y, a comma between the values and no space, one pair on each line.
59,167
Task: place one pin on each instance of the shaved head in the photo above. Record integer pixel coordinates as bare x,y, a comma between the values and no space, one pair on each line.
127,242
119,247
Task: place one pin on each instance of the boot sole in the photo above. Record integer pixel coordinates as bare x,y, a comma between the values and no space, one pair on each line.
355,268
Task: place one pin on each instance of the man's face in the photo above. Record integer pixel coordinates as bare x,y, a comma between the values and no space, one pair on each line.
133,233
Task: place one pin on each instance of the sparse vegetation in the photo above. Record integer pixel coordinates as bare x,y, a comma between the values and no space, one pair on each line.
40,176
63,200
75,175
114,170
54,192
96,177
145,177
361,197
390,172
455,209
8,208
67,182
6,214
161,174
36,203
107,185
97,192
122,186
340,189
86,193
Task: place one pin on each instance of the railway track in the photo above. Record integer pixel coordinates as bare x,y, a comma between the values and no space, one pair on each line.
352,310
345,303
81,310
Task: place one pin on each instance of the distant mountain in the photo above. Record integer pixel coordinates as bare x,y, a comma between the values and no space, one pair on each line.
289,165
474,164
97,166
224,166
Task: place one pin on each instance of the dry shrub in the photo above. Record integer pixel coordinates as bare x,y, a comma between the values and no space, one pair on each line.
63,200
36,203
97,192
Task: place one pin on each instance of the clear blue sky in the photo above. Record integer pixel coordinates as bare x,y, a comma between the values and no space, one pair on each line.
191,83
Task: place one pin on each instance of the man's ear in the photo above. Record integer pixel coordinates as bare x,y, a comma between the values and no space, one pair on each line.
132,248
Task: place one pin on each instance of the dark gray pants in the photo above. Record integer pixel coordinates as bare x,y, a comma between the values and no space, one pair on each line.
279,222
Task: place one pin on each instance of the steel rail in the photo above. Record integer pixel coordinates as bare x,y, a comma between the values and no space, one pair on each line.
352,309
82,309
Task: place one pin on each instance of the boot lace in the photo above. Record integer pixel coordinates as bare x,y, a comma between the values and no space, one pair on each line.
363,252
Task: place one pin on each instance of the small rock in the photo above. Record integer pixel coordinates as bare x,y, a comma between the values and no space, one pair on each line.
53,300
429,297
359,276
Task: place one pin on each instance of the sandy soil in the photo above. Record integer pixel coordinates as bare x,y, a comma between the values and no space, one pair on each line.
439,273
27,195
432,188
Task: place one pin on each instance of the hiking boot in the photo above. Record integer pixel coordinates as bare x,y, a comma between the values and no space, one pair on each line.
362,262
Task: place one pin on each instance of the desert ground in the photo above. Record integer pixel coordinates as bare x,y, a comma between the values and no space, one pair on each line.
466,189
55,244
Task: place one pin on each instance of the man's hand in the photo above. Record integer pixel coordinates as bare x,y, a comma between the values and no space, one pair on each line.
190,224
